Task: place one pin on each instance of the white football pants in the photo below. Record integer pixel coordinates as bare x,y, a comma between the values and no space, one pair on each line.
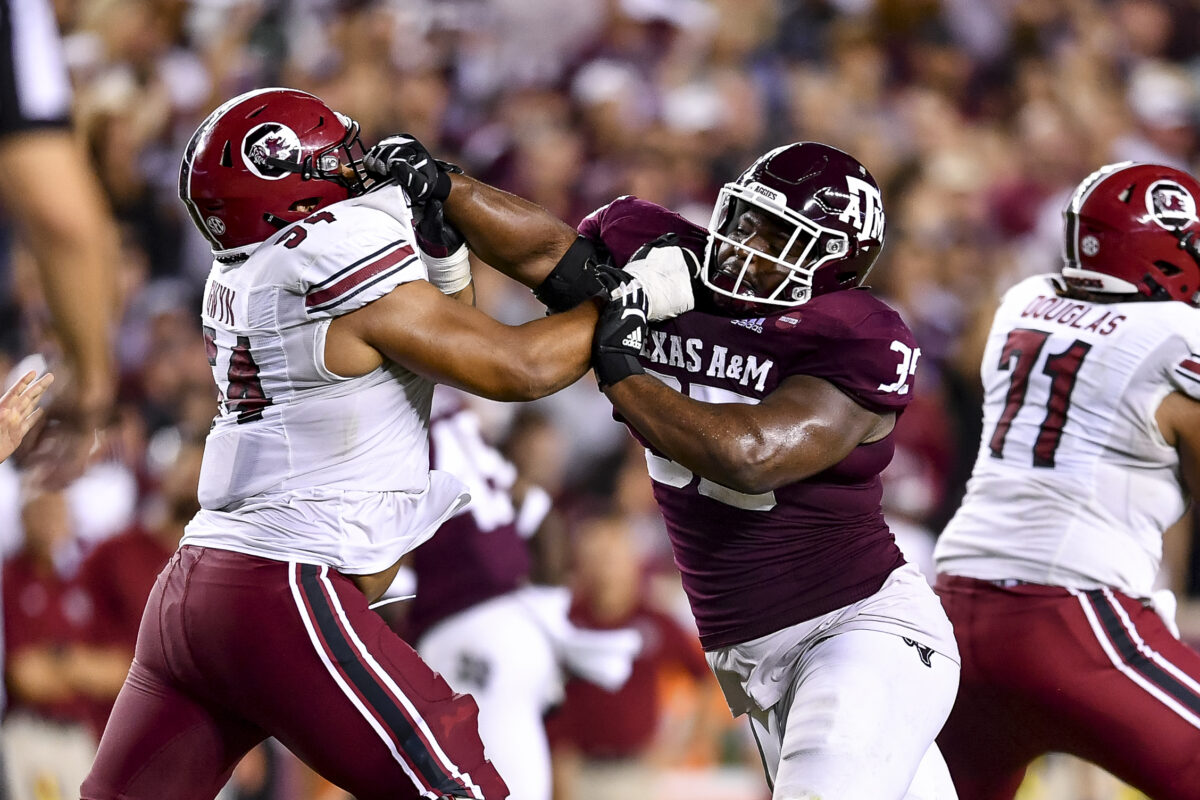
859,722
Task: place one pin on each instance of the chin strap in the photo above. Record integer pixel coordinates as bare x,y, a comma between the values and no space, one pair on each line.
278,222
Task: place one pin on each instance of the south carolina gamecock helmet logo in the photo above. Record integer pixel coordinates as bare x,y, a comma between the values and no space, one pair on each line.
268,142
1170,205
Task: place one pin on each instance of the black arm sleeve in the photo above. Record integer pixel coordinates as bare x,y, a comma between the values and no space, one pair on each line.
574,277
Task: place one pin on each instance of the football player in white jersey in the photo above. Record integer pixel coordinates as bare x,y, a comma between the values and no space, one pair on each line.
326,327
1090,451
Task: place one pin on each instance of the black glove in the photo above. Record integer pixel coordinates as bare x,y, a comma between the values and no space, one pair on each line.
435,236
621,330
405,160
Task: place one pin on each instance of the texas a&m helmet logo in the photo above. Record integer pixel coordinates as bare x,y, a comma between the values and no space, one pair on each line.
267,142
864,209
1170,205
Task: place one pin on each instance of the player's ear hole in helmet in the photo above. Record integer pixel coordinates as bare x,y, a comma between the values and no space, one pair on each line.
1131,232
803,220
264,160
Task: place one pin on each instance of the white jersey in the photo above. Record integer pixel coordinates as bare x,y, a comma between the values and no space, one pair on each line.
1074,483
302,464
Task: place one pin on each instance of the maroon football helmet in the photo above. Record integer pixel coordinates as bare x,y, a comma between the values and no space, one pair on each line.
263,160
1132,229
825,213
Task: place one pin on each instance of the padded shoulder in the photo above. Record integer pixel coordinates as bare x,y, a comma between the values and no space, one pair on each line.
351,253
860,344
627,223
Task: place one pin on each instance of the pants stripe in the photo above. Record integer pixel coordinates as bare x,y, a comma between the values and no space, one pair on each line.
371,690
461,781
1129,653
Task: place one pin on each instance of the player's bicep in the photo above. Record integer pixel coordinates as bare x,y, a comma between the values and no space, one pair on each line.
418,327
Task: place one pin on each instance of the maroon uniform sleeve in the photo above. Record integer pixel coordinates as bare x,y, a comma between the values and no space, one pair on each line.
627,223
860,345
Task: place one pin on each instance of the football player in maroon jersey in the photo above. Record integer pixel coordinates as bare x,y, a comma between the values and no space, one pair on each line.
767,415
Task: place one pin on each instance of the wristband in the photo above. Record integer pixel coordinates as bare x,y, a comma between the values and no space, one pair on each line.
451,274
613,368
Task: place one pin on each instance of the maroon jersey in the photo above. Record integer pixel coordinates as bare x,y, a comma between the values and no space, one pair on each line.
43,610
622,723
478,554
118,576
754,564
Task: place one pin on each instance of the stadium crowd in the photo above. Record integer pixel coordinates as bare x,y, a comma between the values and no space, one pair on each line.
977,118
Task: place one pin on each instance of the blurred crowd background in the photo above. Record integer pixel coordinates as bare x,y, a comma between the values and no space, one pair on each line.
977,117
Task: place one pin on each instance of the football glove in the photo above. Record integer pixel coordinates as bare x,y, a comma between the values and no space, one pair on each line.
443,249
666,272
621,330
403,159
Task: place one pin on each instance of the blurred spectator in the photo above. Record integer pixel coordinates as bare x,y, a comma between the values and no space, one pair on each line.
1163,99
118,574
48,746
19,410
609,745
479,619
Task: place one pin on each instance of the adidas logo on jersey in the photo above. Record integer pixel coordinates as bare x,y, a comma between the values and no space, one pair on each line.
755,324
633,340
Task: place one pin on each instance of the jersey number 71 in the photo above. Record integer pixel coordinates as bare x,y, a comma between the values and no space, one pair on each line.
1019,355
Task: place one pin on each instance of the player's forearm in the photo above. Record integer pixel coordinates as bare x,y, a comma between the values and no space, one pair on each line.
517,237
553,353
715,441
512,363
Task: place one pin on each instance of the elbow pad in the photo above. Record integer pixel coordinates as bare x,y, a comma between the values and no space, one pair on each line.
574,278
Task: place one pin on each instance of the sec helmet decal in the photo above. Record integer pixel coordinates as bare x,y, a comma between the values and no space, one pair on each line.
216,225
1170,205
266,142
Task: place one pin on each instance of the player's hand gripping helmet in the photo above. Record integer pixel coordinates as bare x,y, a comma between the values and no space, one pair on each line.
1132,229
825,218
264,160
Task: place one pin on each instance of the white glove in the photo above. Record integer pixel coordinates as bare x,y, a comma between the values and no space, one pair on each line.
665,274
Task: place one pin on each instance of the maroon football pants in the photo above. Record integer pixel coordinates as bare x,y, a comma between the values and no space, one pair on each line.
1092,673
233,649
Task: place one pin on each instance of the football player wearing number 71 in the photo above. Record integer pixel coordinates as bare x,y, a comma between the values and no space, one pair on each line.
1090,451
767,414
